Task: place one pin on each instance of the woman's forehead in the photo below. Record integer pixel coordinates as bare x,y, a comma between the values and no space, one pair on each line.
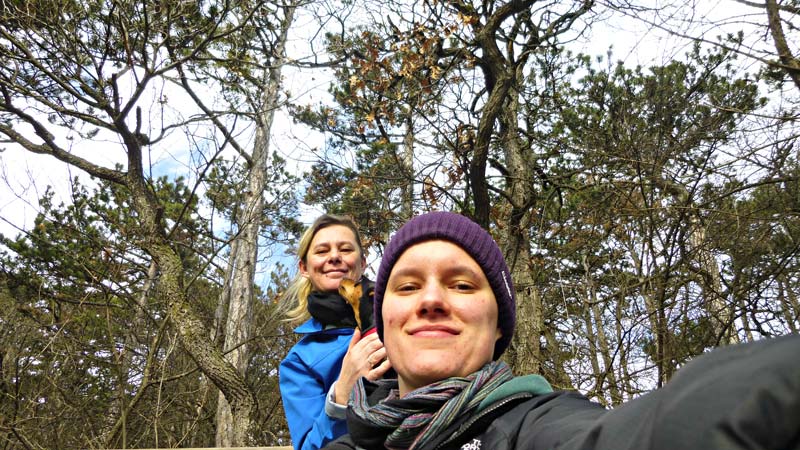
335,233
440,251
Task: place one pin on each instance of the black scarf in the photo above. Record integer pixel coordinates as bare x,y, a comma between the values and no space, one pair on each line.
333,311
330,309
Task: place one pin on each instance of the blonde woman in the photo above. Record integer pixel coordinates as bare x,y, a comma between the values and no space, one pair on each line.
319,372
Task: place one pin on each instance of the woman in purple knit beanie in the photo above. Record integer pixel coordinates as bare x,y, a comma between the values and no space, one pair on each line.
445,311
476,242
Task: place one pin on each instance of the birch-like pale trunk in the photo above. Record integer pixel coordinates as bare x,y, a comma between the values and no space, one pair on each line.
593,317
720,311
790,307
238,290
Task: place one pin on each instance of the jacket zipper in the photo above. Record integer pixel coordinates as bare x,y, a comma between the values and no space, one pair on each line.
465,427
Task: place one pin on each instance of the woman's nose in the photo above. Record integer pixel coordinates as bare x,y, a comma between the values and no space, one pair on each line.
433,300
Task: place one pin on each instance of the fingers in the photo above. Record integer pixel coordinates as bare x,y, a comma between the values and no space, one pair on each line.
368,345
354,340
370,338
379,371
376,357
363,354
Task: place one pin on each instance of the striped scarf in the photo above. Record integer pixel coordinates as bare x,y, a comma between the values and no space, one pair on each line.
421,415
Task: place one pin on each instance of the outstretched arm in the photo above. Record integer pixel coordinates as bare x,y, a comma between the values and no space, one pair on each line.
738,397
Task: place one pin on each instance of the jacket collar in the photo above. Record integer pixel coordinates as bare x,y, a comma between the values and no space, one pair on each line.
312,326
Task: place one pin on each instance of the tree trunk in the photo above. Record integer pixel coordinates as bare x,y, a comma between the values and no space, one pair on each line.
557,376
790,307
598,340
599,343
605,352
651,304
621,340
789,63
239,290
193,335
526,354
407,205
718,310
592,350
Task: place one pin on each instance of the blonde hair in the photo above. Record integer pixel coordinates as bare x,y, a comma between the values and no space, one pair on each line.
295,300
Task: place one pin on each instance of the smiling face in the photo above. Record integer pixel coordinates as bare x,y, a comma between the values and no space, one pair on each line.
332,255
439,314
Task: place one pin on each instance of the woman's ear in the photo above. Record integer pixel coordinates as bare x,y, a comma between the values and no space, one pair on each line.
301,266
498,335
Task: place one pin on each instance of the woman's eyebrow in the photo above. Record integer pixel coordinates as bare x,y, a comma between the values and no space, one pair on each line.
336,244
449,271
462,269
404,271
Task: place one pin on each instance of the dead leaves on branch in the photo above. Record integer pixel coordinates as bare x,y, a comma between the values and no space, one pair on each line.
391,74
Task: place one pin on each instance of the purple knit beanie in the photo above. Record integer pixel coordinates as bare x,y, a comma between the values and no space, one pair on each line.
475,241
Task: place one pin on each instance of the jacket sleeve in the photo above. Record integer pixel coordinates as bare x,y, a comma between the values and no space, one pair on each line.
736,397
303,397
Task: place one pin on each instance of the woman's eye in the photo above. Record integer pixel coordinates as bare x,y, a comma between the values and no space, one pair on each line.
406,288
463,286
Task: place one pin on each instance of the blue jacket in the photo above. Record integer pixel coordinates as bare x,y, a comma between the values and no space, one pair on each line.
306,375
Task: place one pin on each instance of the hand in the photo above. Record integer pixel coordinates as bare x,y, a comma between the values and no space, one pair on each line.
364,358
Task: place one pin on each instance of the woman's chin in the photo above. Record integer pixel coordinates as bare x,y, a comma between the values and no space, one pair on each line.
330,285
428,371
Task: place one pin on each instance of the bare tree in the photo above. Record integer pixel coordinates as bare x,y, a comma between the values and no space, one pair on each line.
84,70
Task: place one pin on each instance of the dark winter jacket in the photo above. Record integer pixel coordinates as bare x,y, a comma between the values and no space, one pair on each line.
738,397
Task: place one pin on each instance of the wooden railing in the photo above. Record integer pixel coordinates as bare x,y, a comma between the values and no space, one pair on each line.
288,447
